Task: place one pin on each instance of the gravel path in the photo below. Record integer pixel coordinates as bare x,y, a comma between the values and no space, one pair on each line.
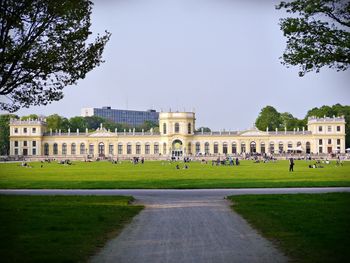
186,226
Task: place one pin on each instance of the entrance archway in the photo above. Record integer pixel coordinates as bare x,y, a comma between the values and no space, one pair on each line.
176,149
101,149
252,147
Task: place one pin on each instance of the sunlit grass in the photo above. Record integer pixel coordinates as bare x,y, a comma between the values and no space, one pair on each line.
158,174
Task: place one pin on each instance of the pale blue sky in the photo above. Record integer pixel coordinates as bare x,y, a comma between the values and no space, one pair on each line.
220,57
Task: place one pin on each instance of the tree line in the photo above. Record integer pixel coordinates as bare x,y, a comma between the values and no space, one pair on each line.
270,118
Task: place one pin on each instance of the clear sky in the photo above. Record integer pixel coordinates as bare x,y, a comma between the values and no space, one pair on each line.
218,57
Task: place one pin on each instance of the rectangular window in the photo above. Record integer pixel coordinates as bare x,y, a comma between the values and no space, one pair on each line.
33,130
120,148
34,143
198,147
216,148
319,128
320,141
338,141
320,149
329,128
16,130
329,141
34,151
24,130
25,143
16,151
16,143
338,128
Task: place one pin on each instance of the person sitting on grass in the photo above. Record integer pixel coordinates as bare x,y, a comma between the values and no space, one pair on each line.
177,167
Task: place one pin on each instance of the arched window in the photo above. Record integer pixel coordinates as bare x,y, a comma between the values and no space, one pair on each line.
64,148
216,148
224,148
243,148
46,149
73,149
177,127
189,148
164,128
308,147
189,128
253,147
147,148
101,149
91,149
128,148
272,147
262,148
298,144
290,145
280,147
156,148
82,148
234,148
120,148
111,149
206,148
55,149
198,147
164,148
138,148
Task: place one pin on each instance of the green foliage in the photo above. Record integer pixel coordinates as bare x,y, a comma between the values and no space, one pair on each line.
289,121
57,122
44,48
30,117
160,174
205,129
5,133
335,110
269,117
319,36
307,227
59,228
77,123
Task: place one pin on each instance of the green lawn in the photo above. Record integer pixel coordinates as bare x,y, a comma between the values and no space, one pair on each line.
159,174
59,228
307,227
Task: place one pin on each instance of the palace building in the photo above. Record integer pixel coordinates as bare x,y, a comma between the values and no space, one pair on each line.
176,137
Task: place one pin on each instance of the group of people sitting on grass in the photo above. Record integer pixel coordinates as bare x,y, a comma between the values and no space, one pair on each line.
178,167
137,160
227,161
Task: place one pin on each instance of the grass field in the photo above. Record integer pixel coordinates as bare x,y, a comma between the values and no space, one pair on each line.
159,174
307,227
59,228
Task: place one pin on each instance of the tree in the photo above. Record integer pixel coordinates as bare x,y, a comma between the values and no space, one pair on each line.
43,48
290,122
30,117
205,129
77,123
5,133
268,117
57,122
335,110
319,36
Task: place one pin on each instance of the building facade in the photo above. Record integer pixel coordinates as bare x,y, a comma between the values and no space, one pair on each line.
176,137
130,117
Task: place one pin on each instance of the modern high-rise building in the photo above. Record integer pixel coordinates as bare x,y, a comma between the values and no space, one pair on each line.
131,117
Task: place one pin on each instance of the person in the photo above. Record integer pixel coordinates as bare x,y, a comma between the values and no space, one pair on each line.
291,164
177,167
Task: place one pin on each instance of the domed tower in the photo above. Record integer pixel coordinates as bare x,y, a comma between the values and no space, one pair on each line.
177,129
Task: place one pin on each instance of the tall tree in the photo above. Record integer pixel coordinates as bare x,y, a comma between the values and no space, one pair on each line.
77,122
5,133
57,122
43,48
319,36
30,116
270,118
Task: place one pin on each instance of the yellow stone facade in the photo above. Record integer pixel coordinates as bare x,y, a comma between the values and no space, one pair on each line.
176,137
